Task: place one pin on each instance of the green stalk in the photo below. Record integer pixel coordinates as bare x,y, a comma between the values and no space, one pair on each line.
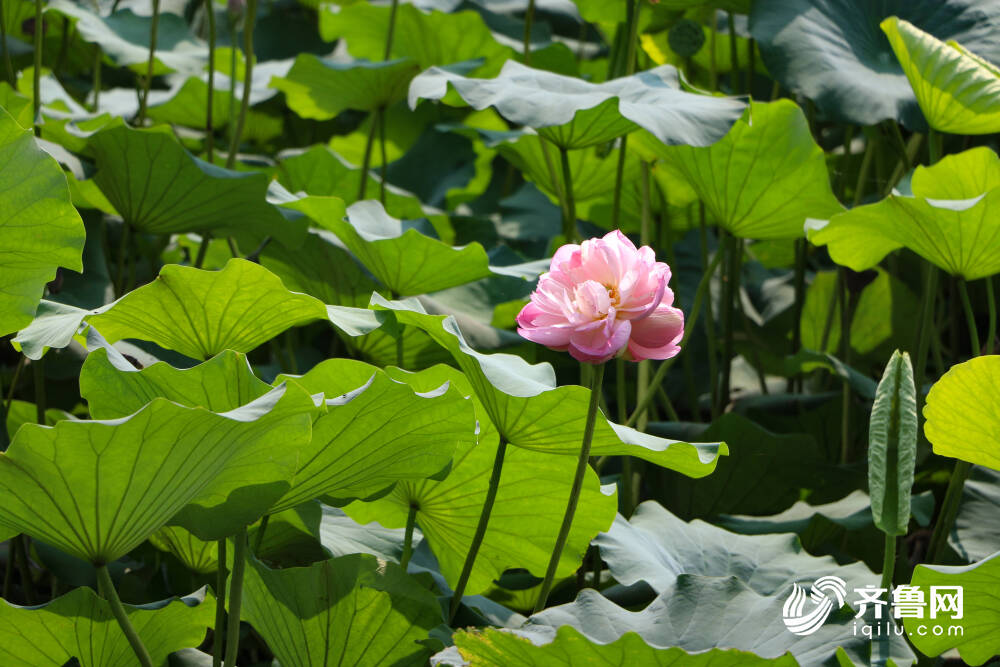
933,145
866,165
628,481
889,563
645,234
411,521
206,239
569,219
730,293
98,66
36,102
991,303
970,317
13,382
261,529
477,537
24,565
713,68
118,609
392,29
846,317
209,121
632,10
248,26
122,252
8,67
366,161
385,160
713,358
949,510
736,85
800,298
925,331
529,19
233,64
236,594
144,100
220,604
574,493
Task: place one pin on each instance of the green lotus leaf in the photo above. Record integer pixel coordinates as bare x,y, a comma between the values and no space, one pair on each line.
963,412
124,37
957,90
319,89
355,609
202,313
892,446
293,537
401,257
97,489
532,484
259,476
39,228
160,188
764,178
196,555
80,625
871,330
491,646
833,52
376,432
573,113
978,517
457,37
976,632
657,547
950,220
526,407
700,613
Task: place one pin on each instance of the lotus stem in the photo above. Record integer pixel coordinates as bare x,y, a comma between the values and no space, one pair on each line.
569,202
220,604
96,85
258,539
118,609
925,331
529,19
889,563
949,509
122,252
628,486
847,304
632,9
800,297
236,594
991,304
661,372
933,145
24,565
206,239
8,67
970,317
148,81
713,67
36,102
411,520
735,84
477,537
248,26
866,165
713,359
583,461
367,159
392,29
209,120
730,293
385,160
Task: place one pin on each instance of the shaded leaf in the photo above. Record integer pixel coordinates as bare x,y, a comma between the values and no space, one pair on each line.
196,555
978,520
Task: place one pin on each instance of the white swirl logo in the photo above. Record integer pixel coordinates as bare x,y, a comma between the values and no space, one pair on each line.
823,589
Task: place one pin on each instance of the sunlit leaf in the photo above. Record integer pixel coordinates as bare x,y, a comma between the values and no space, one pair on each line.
950,220
360,609
957,91
963,412
976,631
764,178
39,228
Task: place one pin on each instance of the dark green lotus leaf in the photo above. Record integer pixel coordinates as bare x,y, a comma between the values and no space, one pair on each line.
524,404
978,639
376,432
341,535
533,484
202,313
765,177
963,412
892,446
160,188
492,646
39,228
656,547
834,53
358,609
196,555
321,89
80,625
401,257
950,220
68,485
699,613
573,113
978,520
292,537
124,37
957,90
429,38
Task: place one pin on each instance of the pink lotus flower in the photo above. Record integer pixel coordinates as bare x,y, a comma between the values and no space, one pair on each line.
602,298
